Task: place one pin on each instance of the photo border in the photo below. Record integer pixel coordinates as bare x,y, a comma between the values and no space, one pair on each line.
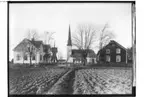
133,22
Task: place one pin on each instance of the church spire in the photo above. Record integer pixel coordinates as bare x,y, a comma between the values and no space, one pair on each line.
69,42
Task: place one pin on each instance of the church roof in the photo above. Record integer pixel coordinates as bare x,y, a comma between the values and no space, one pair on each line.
79,52
69,42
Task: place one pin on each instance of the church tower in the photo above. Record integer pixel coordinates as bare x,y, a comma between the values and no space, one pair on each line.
69,46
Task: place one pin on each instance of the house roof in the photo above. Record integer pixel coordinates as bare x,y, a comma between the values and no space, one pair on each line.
79,52
76,53
45,46
37,44
21,45
111,41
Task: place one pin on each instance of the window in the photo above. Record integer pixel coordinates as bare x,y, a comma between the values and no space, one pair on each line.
118,58
40,57
33,58
18,57
107,58
107,51
118,50
25,57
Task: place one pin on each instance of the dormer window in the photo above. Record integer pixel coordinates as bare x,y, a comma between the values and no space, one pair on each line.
107,51
118,51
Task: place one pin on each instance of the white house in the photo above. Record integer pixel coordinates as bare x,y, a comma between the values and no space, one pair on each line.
30,48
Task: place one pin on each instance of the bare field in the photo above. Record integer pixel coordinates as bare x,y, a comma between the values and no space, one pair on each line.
49,80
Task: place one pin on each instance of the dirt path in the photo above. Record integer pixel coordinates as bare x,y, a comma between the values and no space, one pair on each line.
64,85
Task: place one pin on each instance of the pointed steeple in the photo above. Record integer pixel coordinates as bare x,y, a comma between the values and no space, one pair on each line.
69,42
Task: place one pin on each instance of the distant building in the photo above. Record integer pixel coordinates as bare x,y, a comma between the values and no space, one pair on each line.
113,52
36,48
76,55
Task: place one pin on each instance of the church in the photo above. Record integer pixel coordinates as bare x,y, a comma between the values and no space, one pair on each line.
76,55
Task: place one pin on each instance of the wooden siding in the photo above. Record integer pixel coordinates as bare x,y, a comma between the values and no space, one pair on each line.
113,46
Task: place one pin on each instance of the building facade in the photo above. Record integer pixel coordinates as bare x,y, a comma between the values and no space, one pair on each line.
27,49
113,52
76,55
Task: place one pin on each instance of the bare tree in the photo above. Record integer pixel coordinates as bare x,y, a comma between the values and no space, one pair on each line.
47,41
85,38
48,37
32,34
105,36
30,50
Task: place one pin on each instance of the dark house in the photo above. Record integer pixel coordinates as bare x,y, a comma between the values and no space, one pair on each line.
113,52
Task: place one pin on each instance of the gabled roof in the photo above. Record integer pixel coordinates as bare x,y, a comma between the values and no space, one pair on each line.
36,44
21,44
91,54
111,41
45,46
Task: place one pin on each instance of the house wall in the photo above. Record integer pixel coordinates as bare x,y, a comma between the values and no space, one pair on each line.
15,57
91,60
77,60
70,60
21,61
88,60
23,47
112,54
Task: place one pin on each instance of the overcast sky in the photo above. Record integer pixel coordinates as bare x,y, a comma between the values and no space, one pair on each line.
57,17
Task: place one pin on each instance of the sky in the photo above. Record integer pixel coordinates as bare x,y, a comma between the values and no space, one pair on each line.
57,17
